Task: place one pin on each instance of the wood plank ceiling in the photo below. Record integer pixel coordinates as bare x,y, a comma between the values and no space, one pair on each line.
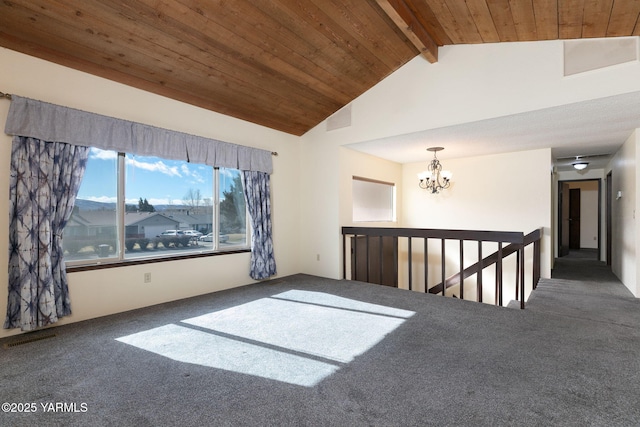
284,64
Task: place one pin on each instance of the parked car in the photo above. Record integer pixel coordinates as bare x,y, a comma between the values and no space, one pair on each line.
222,238
171,233
193,233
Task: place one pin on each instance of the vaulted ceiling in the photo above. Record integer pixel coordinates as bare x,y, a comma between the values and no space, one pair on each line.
284,64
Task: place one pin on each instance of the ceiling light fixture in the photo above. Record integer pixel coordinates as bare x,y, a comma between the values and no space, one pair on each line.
434,178
580,165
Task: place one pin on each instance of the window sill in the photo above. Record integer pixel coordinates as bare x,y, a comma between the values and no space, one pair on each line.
130,262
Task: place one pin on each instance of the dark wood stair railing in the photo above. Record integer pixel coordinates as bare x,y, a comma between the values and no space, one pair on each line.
517,242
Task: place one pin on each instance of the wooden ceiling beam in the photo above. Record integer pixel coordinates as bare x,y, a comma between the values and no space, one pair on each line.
403,17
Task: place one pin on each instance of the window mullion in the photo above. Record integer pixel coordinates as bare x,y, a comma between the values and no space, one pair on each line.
120,206
216,209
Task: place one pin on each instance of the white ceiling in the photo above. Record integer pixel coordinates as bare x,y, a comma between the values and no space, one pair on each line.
586,128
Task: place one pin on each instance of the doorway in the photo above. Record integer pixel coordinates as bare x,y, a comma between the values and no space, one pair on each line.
579,214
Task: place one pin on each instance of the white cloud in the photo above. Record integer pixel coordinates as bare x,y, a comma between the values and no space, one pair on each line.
158,166
229,173
97,153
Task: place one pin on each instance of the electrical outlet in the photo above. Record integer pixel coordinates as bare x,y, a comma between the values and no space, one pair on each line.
147,277
318,257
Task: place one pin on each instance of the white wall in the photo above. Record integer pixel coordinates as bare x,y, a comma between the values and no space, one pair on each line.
503,192
625,237
102,292
468,83
477,82
327,201
354,163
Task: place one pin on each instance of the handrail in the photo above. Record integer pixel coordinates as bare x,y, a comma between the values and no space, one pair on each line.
517,242
454,279
436,233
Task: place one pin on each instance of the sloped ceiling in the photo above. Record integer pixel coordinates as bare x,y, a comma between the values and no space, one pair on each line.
284,64
591,131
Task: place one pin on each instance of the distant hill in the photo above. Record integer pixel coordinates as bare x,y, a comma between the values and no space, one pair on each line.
90,205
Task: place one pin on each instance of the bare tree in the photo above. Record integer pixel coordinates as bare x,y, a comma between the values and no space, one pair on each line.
193,199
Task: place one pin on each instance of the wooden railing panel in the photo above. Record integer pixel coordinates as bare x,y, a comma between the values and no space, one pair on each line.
517,241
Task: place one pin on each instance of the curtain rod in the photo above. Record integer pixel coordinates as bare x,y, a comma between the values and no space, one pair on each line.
8,96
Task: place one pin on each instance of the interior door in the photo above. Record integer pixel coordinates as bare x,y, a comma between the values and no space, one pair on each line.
574,218
563,249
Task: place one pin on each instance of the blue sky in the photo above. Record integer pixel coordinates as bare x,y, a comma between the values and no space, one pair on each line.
160,181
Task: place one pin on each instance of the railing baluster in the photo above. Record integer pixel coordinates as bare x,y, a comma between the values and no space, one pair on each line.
498,299
517,275
521,254
444,260
461,269
366,242
395,256
354,250
536,263
380,260
410,258
426,264
480,270
344,257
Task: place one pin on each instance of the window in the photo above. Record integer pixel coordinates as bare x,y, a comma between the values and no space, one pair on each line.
131,207
373,200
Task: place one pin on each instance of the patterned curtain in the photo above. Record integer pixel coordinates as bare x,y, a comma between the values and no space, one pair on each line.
45,178
258,196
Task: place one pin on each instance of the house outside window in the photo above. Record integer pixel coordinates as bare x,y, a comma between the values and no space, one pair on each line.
132,207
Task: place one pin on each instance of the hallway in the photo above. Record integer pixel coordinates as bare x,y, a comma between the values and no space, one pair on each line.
585,289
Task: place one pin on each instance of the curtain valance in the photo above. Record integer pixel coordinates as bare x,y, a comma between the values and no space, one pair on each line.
50,122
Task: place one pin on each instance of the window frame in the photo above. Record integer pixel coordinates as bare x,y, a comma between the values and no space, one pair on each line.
120,259
392,188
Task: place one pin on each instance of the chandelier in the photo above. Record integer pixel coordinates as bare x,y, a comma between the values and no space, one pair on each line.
434,178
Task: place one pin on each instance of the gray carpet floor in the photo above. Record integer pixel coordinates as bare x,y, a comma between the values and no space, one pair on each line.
308,351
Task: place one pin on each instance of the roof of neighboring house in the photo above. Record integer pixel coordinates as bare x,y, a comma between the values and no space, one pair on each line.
191,219
97,218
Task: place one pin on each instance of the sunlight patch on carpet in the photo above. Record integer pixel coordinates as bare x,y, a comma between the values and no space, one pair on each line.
297,337
192,346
